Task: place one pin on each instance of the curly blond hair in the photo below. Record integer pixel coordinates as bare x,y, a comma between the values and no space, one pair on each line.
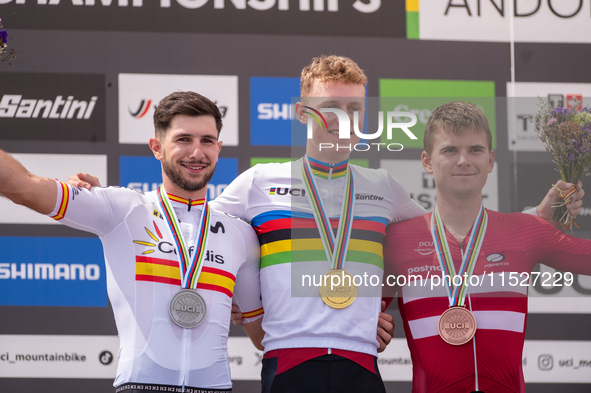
330,69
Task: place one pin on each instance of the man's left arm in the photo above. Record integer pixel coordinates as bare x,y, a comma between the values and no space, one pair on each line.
247,291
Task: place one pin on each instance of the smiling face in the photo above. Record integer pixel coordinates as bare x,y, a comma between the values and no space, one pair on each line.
325,144
188,152
459,163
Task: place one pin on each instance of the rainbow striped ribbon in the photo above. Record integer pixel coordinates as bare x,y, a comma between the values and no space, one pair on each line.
335,247
457,297
190,268
569,194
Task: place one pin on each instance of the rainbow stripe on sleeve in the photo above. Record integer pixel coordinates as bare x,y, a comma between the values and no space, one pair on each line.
65,197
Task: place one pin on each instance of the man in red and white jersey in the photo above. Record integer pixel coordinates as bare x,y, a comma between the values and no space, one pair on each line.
171,275
468,335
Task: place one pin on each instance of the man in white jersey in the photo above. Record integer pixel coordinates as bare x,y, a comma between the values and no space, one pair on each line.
171,274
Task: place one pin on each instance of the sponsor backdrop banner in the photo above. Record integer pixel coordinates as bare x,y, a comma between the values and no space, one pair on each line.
420,185
144,174
52,107
43,356
59,166
421,96
320,17
522,136
272,112
476,20
33,273
140,93
46,356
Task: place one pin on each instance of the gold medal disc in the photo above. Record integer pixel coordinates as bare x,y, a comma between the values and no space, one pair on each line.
457,325
342,293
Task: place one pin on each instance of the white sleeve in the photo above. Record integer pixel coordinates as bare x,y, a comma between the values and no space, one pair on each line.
247,291
404,207
91,211
234,200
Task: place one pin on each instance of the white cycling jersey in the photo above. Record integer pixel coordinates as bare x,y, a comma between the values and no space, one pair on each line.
143,274
272,198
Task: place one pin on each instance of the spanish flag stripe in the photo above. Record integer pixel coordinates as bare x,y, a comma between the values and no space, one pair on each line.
153,269
254,313
157,261
163,280
61,212
220,272
212,287
216,279
185,201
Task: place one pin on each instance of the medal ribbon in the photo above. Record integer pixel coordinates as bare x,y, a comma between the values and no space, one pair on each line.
334,247
457,297
190,268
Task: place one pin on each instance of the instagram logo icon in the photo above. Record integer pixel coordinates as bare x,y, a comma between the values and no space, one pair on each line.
545,362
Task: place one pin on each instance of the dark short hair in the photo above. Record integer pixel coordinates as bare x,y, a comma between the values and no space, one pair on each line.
184,103
457,117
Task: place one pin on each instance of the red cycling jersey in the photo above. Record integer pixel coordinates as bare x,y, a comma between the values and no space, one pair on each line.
492,360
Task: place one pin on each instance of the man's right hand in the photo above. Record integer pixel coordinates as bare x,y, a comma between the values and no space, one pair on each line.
236,315
84,180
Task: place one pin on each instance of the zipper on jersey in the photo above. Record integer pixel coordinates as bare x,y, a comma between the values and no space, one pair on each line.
330,169
185,358
473,338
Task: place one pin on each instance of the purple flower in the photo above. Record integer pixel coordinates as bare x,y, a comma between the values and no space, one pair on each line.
3,36
571,157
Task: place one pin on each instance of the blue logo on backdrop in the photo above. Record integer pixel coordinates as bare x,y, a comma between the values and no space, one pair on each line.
272,114
144,174
39,271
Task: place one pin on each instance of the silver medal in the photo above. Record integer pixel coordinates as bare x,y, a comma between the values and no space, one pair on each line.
187,308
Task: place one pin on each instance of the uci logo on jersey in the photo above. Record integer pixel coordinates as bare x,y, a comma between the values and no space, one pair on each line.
287,191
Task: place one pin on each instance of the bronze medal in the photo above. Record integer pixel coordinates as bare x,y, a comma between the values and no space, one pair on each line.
457,325
339,296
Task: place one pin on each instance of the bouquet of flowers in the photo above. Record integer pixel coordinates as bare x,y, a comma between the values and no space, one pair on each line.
3,45
566,134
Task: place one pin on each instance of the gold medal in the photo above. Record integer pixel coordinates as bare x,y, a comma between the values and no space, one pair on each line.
457,325
340,295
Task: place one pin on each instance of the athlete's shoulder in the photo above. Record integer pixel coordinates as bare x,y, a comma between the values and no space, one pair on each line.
409,227
370,173
231,221
515,219
520,224
265,172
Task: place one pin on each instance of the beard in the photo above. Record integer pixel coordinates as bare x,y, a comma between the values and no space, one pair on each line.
174,174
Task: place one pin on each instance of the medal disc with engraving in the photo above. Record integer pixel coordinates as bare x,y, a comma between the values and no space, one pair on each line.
187,309
338,292
457,325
